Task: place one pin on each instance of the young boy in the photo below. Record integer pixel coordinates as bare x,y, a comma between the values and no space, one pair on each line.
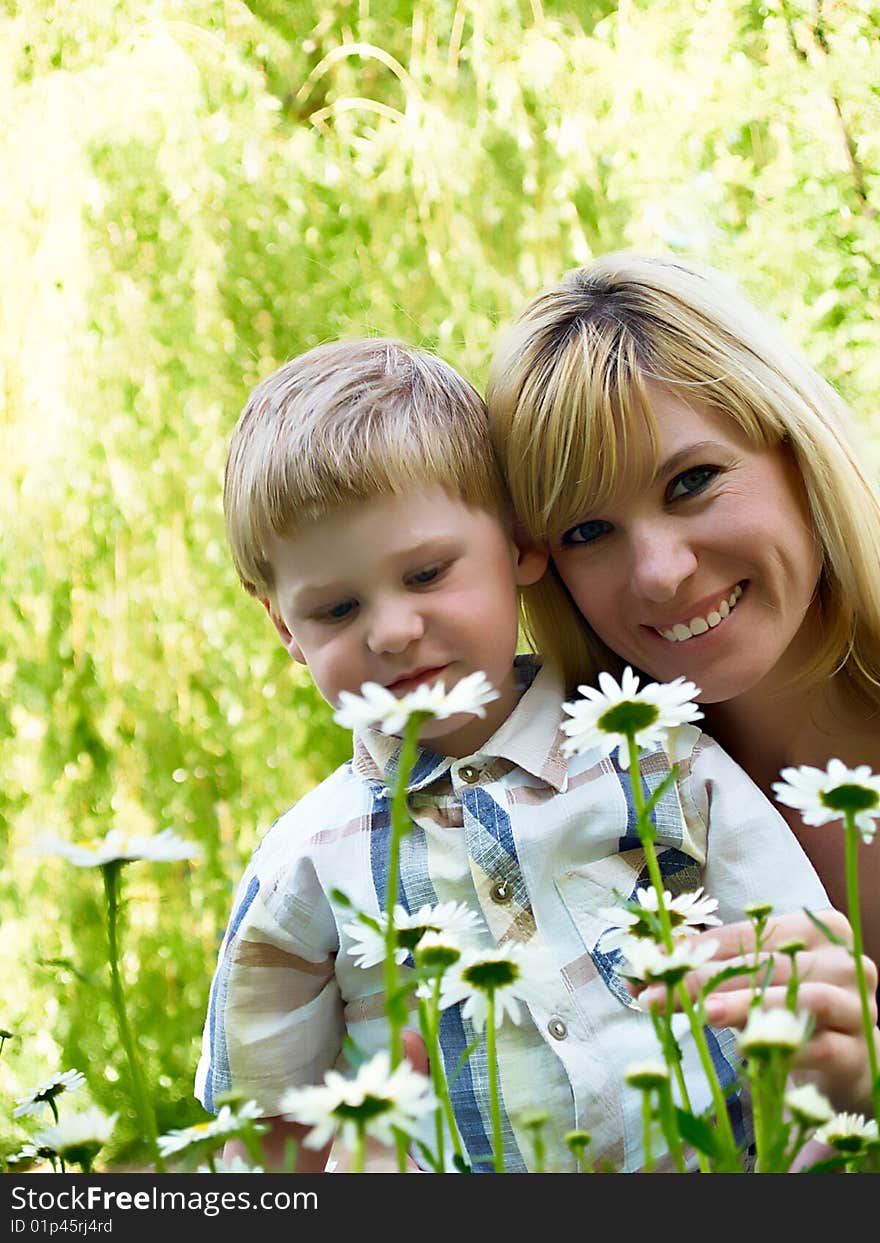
365,509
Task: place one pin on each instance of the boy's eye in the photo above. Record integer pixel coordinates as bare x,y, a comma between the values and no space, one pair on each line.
429,575
336,612
585,532
690,481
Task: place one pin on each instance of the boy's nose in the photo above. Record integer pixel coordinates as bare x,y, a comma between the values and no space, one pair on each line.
661,562
393,626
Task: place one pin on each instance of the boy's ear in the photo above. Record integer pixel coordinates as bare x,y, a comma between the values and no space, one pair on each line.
291,646
531,561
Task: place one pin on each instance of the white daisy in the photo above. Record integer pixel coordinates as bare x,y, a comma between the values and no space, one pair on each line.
604,717
120,847
67,1081
688,913
510,972
769,1030
26,1156
228,1124
77,1137
651,1073
371,709
808,1105
377,708
850,1133
436,952
376,1102
647,961
821,795
454,919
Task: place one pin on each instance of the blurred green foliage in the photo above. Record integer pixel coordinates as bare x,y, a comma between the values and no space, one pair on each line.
194,191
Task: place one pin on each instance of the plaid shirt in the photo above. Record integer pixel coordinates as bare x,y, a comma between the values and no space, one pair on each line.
537,844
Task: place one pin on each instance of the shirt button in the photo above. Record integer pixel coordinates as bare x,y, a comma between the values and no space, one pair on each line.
469,774
501,891
557,1029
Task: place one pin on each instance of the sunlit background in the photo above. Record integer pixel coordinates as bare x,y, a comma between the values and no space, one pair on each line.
192,191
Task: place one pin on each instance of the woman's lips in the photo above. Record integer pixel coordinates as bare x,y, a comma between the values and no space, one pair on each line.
701,622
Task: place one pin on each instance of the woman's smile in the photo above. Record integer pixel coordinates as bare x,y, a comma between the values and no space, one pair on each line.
698,621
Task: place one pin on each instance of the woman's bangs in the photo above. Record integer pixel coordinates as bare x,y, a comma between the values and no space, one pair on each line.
616,451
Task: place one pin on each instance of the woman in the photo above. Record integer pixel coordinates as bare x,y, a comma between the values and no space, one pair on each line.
708,515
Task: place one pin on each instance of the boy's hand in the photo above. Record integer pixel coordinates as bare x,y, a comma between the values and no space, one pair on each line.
415,1053
381,1159
835,1056
336,1159
275,1142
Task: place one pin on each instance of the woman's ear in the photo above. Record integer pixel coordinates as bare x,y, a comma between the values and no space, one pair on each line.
531,559
289,643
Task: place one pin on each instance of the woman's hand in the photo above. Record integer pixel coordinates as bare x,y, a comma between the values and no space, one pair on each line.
835,1057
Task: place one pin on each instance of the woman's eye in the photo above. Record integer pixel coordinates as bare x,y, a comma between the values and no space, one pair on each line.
690,481
585,532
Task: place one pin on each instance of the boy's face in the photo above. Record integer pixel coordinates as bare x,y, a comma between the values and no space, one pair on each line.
402,590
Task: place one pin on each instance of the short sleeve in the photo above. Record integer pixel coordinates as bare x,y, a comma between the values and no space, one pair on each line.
275,1016
753,856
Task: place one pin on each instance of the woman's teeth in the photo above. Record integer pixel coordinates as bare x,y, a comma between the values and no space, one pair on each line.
682,631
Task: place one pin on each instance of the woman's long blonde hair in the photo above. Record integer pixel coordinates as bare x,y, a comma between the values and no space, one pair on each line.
570,415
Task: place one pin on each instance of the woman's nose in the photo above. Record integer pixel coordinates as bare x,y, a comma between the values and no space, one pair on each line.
662,561
393,625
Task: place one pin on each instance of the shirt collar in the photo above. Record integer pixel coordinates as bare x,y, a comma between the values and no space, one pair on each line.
530,738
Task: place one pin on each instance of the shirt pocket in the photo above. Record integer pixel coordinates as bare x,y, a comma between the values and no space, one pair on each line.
585,891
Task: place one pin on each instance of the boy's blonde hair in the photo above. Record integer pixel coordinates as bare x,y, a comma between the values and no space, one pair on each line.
571,420
350,421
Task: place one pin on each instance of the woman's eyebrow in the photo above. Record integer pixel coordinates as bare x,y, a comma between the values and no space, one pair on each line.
676,460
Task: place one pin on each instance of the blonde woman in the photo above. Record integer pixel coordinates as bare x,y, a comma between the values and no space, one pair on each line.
709,513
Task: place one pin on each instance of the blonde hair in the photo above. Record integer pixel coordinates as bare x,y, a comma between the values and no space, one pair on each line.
344,422
570,418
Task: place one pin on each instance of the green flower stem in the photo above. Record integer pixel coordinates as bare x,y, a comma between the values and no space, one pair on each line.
539,1147
669,1126
791,989
722,1120
672,1054
359,1153
646,836
769,1077
251,1140
647,1120
112,882
780,1065
491,1057
429,1018
855,919
400,827
427,1028
758,1121
54,1109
